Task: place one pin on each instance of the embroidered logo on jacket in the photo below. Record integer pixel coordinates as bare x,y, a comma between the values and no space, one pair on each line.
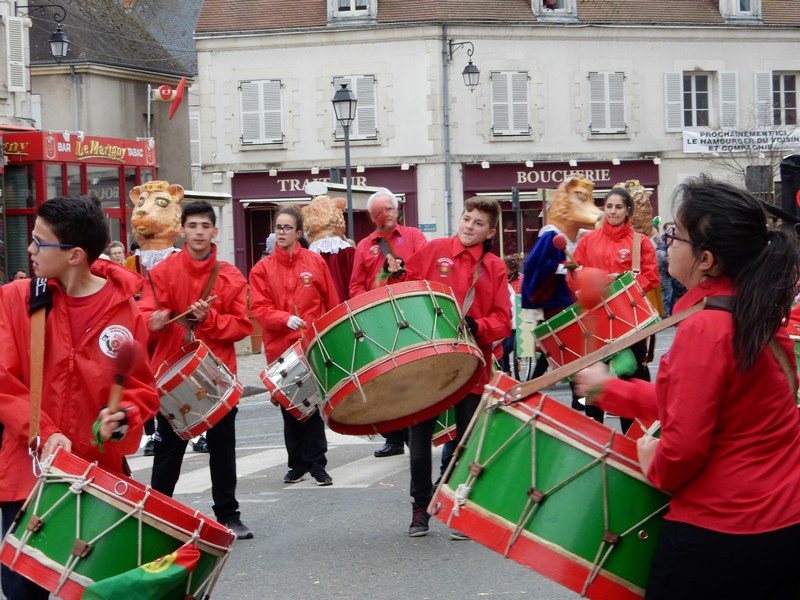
444,266
623,255
375,250
113,338
306,278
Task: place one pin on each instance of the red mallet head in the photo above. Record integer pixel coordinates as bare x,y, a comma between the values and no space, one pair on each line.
560,241
591,284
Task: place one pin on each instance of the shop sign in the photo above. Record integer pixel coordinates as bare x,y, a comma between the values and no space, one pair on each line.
69,147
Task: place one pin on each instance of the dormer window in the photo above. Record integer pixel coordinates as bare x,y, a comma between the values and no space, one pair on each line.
345,10
555,9
734,10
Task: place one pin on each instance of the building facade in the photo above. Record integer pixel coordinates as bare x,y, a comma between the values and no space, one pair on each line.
613,90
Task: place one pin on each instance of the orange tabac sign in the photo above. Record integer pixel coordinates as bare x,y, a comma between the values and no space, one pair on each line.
69,147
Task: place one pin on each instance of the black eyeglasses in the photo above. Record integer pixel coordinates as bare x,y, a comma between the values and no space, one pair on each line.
669,237
283,228
39,244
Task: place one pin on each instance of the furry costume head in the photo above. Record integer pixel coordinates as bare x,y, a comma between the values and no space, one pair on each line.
156,218
573,208
323,218
642,218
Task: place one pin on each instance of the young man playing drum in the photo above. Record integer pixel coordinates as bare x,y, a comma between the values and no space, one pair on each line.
187,280
289,290
478,280
92,315
389,238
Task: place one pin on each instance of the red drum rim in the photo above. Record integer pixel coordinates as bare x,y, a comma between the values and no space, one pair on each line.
214,416
282,399
370,298
196,350
528,550
386,364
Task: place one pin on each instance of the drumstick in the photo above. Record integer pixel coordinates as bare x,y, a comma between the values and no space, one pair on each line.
210,299
123,364
560,242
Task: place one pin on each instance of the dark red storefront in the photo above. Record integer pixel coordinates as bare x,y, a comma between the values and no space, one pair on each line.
258,196
44,164
536,184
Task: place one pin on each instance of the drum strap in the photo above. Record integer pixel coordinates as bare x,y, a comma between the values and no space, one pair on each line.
636,259
40,302
470,297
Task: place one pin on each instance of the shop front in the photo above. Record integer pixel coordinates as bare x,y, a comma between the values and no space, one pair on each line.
536,186
41,165
258,196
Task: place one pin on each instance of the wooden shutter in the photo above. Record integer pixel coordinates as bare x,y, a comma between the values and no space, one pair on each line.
673,101
728,99
194,137
365,125
261,112
607,102
510,106
763,98
15,47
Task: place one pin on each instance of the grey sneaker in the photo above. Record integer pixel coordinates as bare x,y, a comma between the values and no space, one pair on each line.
458,536
419,521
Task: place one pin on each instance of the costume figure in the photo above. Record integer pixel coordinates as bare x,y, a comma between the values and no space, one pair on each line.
176,284
323,222
642,221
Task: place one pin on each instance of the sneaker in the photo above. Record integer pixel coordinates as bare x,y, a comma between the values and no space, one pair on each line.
200,445
149,447
419,521
294,476
458,536
241,530
322,478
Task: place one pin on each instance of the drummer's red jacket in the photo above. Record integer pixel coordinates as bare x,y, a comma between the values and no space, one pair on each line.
282,285
730,440
76,381
448,261
178,281
369,259
610,249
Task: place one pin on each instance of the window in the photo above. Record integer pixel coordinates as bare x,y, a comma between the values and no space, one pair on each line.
194,137
15,51
695,101
261,111
349,10
351,6
689,98
607,102
555,9
510,103
776,99
738,10
366,124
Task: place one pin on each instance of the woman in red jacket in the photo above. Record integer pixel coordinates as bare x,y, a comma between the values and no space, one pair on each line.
289,290
729,450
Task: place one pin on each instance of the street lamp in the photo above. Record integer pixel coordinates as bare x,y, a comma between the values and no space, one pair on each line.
344,105
471,74
59,42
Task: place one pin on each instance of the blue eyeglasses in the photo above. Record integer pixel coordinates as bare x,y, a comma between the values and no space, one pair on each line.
38,244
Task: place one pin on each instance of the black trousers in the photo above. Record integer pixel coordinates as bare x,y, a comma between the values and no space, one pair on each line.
692,563
639,350
398,437
305,441
221,439
419,443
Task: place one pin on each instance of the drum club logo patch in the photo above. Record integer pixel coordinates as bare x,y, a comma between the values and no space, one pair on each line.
113,338
623,255
375,250
444,266
306,278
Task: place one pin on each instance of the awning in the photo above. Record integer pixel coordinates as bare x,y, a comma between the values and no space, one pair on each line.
360,195
213,198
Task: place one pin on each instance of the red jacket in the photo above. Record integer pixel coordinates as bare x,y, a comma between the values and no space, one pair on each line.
282,285
611,249
447,260
730,441
178,281
77,380
369,260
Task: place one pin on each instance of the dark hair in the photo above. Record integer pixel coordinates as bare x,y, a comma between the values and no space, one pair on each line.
732,225
201,207
624,194
134,246
490,206
77,221
295,214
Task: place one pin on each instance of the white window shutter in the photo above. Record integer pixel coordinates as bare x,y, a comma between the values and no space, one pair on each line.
729,99
519,103
250,110
366,124
15,49
616,102
763,98
273,110
607,102
597,102
501,119
673,101
194,137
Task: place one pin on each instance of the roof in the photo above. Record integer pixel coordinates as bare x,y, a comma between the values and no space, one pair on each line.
102,32
230,16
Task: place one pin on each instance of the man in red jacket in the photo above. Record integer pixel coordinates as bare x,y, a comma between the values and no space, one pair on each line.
93,313
177,284
464,263
369,271
289,290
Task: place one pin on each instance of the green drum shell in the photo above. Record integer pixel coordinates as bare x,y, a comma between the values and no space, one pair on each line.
118,550
385,359
570,520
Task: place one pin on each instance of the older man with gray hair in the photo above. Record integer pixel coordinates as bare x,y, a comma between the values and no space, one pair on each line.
370,270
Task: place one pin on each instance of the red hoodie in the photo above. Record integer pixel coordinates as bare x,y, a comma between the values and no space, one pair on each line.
77,380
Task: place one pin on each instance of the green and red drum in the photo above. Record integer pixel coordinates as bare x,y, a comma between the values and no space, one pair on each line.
391,357
82,524
576,332
555,491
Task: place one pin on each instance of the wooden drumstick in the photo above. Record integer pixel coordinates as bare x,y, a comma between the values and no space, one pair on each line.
123,363
210,299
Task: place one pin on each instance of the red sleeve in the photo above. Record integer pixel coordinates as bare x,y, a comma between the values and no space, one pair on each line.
495,322
263,303
633,399
419,239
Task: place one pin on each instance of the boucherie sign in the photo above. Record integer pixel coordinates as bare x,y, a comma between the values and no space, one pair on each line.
735,140
57,146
